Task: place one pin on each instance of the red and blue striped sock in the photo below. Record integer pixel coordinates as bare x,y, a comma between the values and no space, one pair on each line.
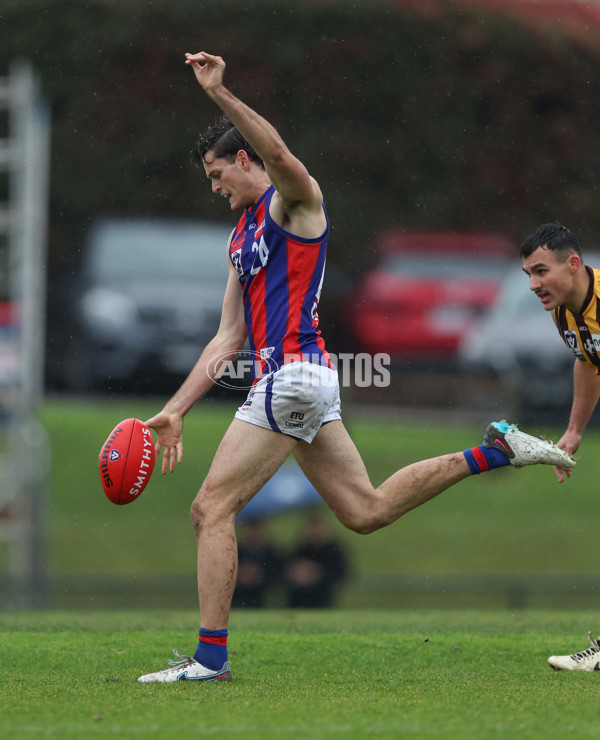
481,459
212,648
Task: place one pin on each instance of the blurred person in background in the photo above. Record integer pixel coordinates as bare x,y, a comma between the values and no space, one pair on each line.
569,290
315,567
276,260
259,565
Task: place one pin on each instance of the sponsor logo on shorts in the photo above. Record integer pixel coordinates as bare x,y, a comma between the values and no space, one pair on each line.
296,420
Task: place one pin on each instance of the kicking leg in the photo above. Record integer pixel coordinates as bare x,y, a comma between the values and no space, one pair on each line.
334,466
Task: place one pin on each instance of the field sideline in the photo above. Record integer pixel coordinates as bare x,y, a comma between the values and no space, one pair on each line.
450,674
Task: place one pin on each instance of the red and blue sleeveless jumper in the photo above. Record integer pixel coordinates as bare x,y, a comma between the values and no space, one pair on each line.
281,277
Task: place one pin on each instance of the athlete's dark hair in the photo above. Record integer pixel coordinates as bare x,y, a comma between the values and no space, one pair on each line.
551,236
224,140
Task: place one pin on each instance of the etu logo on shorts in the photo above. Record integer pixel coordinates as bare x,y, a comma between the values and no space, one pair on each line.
295,421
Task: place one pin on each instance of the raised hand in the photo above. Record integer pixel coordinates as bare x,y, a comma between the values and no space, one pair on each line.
208,69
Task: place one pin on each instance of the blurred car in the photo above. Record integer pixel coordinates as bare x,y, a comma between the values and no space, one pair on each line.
518,343
426,290
145,303
10,347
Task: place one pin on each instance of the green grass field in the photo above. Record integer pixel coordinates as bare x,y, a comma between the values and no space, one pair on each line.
470,672
351,674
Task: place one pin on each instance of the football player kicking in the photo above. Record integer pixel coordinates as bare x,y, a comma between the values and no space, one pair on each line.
276,260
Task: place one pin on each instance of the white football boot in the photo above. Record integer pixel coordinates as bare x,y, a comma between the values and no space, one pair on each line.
187,669
586,660
523,449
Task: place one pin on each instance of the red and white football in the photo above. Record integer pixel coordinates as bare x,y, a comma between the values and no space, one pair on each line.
126,461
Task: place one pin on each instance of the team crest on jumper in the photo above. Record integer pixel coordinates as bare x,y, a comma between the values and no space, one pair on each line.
236,259
572,343
571,340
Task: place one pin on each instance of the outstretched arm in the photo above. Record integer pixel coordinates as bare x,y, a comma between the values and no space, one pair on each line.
289,176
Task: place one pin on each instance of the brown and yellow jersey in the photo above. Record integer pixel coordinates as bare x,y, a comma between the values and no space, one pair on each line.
581,331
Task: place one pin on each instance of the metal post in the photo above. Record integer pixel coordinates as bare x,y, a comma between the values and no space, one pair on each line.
25,469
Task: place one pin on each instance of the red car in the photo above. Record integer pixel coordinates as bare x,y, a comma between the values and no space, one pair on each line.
426,290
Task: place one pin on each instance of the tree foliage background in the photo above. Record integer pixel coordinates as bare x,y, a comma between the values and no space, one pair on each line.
454,118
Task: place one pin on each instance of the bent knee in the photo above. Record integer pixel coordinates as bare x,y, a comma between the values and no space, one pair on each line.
361,523
209,508
198,511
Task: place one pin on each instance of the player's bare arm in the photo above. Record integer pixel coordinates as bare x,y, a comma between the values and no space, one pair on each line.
224,347
586,392
297,204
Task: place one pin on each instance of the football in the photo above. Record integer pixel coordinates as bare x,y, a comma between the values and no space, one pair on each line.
126,461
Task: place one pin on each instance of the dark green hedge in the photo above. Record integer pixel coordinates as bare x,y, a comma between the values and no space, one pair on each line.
462,120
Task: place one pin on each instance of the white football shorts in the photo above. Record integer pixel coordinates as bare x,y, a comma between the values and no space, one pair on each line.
297,400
